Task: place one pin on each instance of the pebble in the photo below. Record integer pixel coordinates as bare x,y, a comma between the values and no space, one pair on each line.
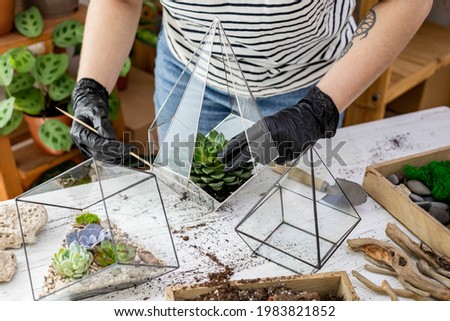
428,198
424,205
440,205
416,198
393,179
439,214
185,238
418,187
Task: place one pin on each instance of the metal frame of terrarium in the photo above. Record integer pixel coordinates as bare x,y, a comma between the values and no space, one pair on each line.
282,229
182,123
127,200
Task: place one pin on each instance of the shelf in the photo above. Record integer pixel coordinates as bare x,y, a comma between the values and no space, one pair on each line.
14,39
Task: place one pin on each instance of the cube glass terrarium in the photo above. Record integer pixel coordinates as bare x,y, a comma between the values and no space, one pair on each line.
188,143
106,230
297,226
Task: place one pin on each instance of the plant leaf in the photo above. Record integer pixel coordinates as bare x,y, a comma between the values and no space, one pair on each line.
195,179
66,33
50,67
236,173
207,180
21,82
235,182
23,59
126,67
212,135
6,70
208,170
6,111
70,107
29,101
229,179
246,175
55,135
13,123
114,106
217,176
29,22
216,186
62,88
79,33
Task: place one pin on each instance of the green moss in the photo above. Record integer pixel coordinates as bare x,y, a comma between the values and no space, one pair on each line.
87,218
435,175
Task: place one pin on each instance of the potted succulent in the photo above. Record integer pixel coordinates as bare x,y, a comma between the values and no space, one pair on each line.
207,169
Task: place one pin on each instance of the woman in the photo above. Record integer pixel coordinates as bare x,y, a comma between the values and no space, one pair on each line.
301,59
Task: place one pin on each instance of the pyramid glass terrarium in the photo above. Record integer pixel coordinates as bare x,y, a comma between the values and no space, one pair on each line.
104,229
187,143
295,224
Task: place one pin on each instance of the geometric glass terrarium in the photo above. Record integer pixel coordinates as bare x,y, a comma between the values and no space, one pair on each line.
106,229
187,143
297,226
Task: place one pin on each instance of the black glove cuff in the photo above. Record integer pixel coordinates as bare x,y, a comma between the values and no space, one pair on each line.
323,108
86,87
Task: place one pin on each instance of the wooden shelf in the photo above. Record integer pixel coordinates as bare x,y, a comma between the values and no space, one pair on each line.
14,39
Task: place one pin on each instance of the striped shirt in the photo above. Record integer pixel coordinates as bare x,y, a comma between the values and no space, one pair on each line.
281,45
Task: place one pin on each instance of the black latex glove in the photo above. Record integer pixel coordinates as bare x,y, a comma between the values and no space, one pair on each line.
90,105
292,130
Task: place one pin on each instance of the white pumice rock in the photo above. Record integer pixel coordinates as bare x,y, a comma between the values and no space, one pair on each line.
8,265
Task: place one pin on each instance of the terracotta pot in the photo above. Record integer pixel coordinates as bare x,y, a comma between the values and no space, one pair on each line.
122,83
6,16
53,8
34,122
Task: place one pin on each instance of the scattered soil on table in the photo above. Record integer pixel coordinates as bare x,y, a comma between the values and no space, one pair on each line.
223,194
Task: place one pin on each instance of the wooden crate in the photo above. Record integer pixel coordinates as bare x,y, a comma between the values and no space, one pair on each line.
397,202
331,283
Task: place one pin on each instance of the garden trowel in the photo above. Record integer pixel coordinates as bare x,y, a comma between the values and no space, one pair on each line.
336,194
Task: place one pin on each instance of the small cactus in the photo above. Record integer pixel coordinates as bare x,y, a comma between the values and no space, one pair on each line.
73,261
105,254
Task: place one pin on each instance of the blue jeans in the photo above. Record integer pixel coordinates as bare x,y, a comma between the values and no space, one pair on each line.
216,104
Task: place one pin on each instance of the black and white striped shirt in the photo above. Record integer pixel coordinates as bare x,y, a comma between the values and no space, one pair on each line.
281,45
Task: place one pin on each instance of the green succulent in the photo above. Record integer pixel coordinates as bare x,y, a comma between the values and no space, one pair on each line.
87,218
73,261
105,254
207,169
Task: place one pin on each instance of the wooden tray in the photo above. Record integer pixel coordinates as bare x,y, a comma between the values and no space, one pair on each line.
397,202
332,283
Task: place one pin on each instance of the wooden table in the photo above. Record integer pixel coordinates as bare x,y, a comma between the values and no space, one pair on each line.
213,233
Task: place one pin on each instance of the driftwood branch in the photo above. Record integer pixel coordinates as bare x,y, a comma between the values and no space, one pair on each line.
419,250
428,271
389,290
399,260
411,288
378,264
380,290
380,270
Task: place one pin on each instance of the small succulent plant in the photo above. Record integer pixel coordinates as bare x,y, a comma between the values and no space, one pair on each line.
73,261
89,236
87,218
105,254
207,169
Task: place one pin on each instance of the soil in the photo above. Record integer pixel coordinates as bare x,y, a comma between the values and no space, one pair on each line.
223,194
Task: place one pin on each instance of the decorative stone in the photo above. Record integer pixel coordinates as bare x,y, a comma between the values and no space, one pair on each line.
439,214
415,197
440,205
424,205
34,217
418,187
393,179
428,198
8,264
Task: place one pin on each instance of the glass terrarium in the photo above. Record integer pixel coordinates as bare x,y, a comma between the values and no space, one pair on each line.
299,224
187,143
104,229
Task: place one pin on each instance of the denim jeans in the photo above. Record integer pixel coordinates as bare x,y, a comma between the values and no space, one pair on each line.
215,104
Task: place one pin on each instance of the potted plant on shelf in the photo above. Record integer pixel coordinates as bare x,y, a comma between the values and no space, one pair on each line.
53,8
35,84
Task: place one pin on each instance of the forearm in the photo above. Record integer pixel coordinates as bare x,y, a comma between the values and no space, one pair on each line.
109,34
387,30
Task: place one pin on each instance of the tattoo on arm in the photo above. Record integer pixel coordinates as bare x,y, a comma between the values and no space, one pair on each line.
363,29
